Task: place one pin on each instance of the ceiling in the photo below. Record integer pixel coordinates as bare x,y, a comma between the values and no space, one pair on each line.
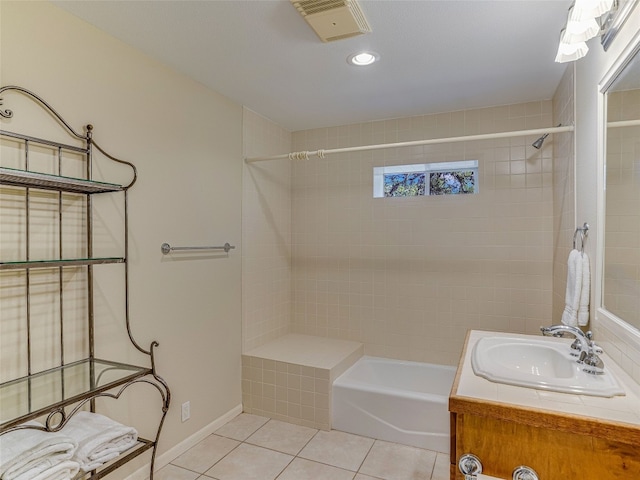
435,55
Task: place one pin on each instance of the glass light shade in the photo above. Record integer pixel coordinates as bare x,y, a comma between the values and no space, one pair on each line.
586,9
580,30
568,52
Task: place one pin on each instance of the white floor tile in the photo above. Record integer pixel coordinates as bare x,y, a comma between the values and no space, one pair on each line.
391,461
339,449
301,469
171,472
441,468
251,447
205,454
248,462
242,426
282,436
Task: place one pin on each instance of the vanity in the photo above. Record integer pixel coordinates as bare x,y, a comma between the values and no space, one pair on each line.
559,435
524,402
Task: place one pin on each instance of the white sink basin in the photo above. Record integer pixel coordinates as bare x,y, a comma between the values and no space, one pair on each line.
542,363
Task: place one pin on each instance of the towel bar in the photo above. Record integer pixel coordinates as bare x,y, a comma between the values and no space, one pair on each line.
166,248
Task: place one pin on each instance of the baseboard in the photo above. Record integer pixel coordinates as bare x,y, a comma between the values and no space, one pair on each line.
186,444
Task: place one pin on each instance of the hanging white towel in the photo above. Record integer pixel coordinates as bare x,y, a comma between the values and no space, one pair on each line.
99,438
62,471
32,451
574,289
585,291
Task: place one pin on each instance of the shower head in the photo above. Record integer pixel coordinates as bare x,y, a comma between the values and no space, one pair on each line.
538,143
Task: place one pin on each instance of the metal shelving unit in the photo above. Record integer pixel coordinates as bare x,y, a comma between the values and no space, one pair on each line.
57,393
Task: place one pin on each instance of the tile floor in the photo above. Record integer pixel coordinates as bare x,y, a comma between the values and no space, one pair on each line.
251,447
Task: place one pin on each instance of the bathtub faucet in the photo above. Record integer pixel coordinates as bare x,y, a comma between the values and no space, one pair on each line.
582,347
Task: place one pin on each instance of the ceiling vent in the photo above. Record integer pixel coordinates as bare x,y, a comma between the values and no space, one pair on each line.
333,19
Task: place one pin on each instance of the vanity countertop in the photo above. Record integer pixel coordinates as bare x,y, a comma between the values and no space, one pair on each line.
596,416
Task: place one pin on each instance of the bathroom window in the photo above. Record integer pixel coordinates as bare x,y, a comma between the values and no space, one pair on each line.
445,178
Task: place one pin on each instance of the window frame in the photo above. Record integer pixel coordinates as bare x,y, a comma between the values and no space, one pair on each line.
379,174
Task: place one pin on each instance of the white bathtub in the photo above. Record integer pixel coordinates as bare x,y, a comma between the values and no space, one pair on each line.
394,400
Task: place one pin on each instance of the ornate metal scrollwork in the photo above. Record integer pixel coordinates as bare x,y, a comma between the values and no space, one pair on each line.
5,113
8,113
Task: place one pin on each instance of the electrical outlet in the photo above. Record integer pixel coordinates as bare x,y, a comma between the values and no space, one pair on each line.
186,411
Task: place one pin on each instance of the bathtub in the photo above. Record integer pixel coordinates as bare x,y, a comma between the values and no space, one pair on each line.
394,400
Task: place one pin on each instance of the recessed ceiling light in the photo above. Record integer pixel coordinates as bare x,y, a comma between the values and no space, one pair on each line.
363,58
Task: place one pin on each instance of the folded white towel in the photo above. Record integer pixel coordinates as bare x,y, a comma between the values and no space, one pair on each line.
99,439
585,291
574,289
33,451
62,471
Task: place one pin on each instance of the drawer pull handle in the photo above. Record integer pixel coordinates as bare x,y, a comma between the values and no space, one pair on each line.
470,466
524,473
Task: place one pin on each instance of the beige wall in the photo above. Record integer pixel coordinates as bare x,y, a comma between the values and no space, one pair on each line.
266,239
564,222
408,277
186,142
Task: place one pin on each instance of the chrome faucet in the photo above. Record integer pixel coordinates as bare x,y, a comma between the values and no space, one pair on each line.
581,341
582,347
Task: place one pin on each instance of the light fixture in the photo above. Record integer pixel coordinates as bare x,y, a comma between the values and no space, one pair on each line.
363,58
568,52
585,9
584,21
579,29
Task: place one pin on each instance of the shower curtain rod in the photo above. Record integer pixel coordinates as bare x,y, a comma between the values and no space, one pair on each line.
304,155
623,123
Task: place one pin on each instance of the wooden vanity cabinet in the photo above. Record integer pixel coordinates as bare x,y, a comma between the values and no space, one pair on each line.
557,445
503,439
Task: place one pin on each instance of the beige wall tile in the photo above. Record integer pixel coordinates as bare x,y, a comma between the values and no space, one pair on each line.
408,277
307,384
396,274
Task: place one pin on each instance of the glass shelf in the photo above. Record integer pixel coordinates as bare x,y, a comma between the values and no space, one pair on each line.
55,393
29,397
23,178
59,263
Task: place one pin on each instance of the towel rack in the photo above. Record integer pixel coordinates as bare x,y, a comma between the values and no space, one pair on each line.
583,233
166,248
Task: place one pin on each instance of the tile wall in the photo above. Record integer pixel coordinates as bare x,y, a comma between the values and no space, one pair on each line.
618,344
266,233
289,392
408,277
291,379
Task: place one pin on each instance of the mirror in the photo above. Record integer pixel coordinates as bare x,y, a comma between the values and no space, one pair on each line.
621,261
612,21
